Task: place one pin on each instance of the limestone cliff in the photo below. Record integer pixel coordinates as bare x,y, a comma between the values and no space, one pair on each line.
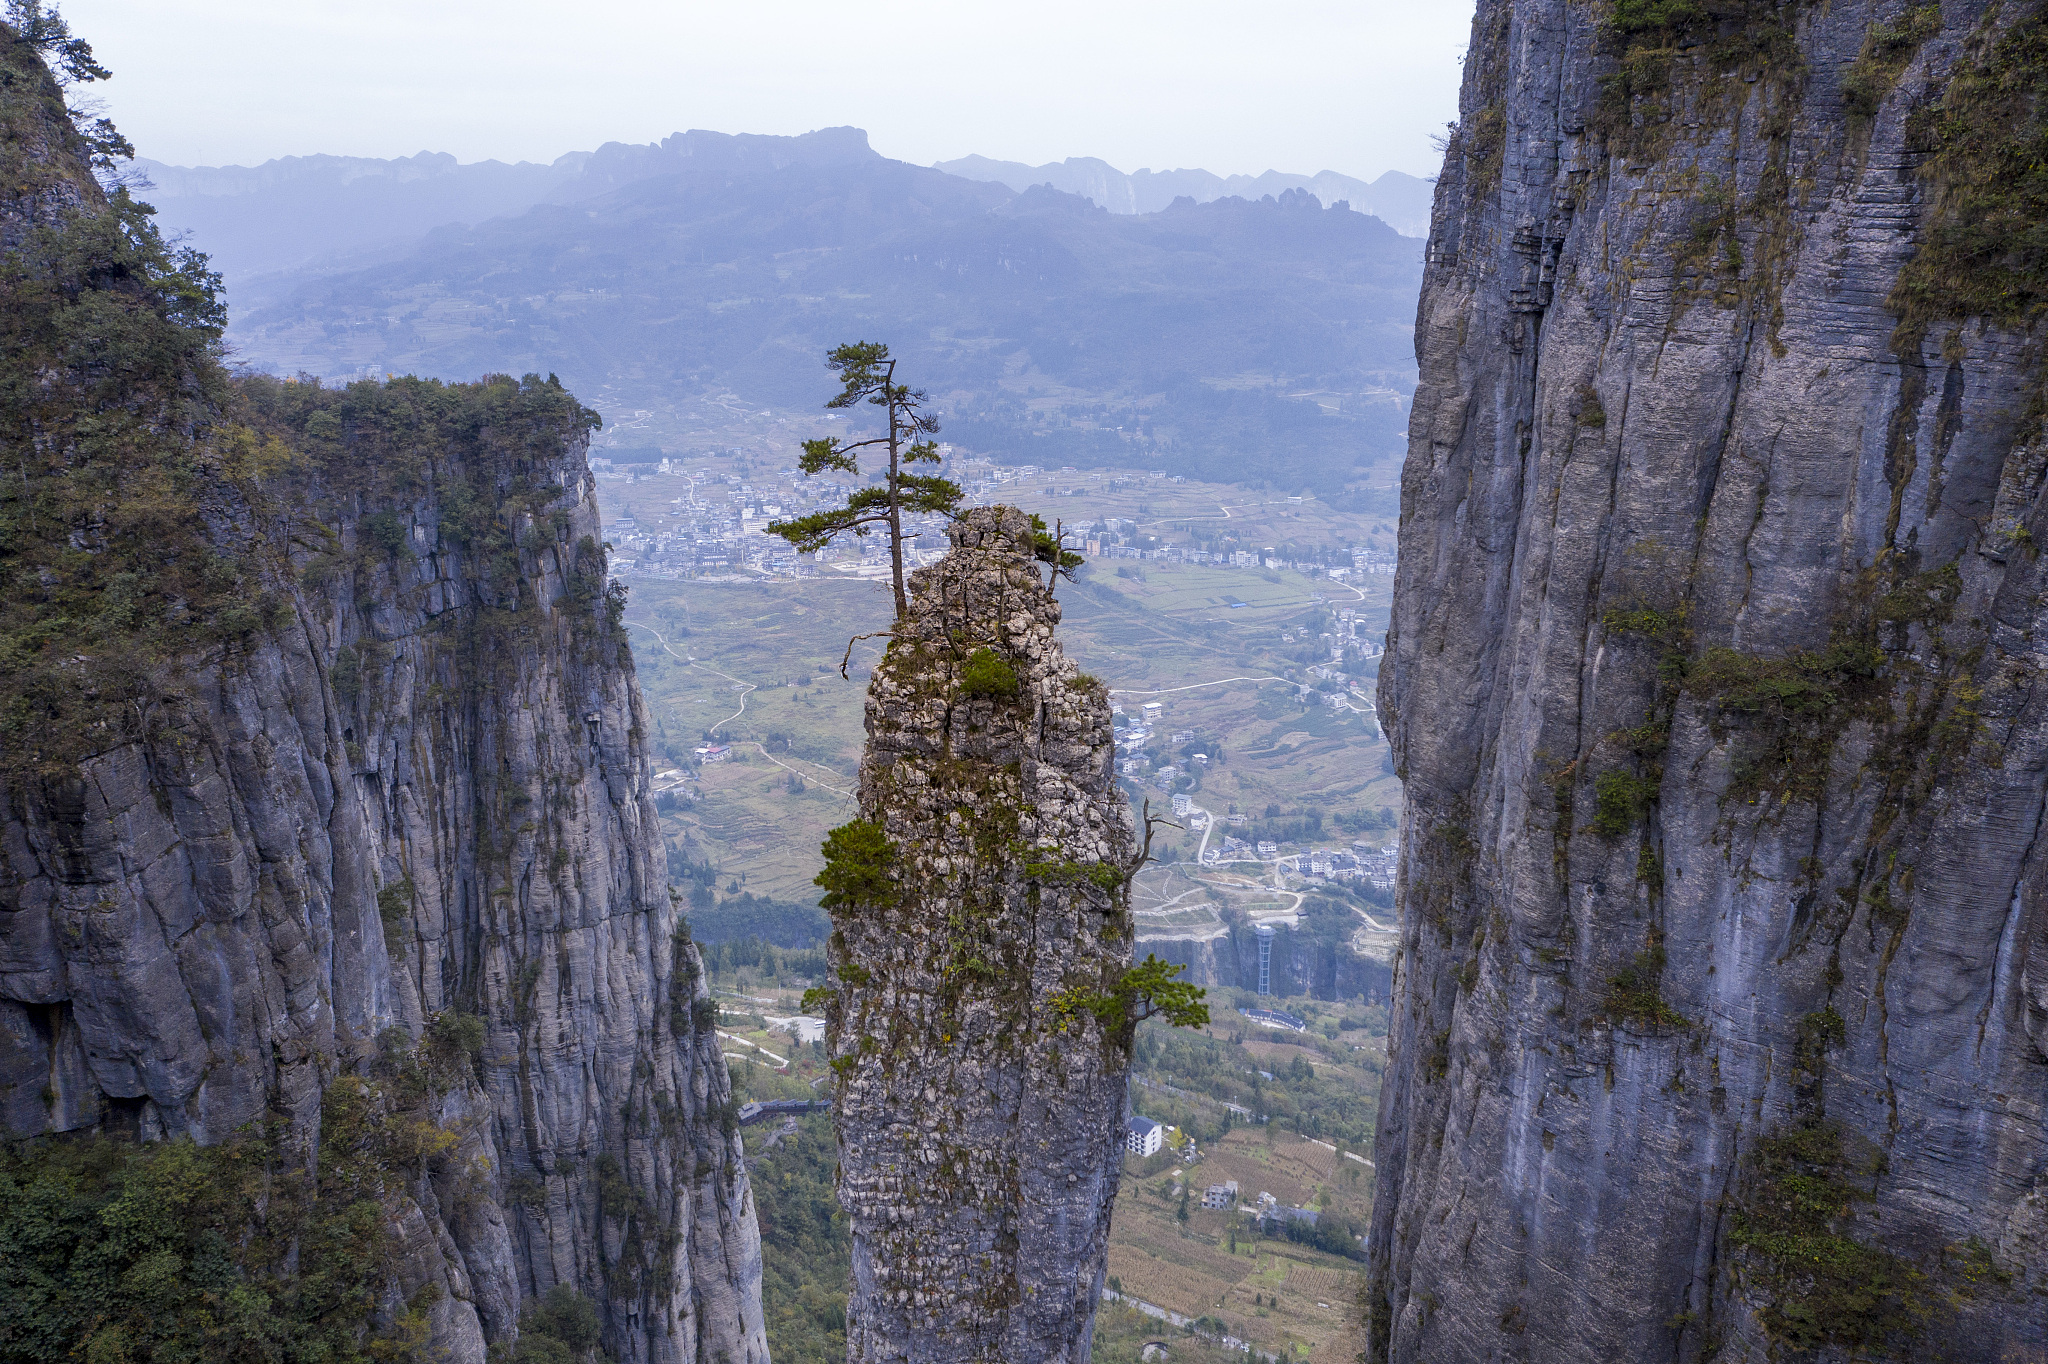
1715,679
322,747
981,935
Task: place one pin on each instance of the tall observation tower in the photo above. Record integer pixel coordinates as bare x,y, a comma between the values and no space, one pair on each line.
1265,932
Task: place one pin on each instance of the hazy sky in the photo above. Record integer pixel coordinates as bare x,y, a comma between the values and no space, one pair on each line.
1356,86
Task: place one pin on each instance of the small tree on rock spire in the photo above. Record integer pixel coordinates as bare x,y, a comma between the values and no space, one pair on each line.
868,374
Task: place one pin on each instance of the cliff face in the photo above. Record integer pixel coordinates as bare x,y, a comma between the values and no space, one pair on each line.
322,744
1714,679
981,927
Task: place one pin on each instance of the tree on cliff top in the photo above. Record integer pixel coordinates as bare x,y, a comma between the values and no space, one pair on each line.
44,29
868,374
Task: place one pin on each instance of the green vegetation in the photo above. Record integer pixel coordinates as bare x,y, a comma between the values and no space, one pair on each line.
1819,1032
1799,685
1676,21
559,1328
869,376
858,857
1649,34
245,1250
1591,414
1049,547
454,1033
1673,63
988,674
394,902
1635,994
110,403
1827,1288
1887,50
1794,708
1984,250
1484,144
738,917
1146,990
1664,17
120,424
1620,800
763,961
806,1247
1106,877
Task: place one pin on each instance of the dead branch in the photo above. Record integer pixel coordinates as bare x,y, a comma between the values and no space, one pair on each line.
1151,821
847,661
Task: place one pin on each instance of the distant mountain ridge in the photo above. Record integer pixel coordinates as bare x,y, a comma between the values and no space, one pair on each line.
1261,340
1400,201
296,211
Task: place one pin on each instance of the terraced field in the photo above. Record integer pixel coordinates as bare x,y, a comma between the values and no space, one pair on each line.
1290,1299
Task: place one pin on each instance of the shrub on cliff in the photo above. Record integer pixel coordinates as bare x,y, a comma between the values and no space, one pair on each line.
988,674
559,1328
858,857
116,1252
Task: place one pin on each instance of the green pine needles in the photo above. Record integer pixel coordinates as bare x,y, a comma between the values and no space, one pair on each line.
1148,990
858,857
868,375
1050,547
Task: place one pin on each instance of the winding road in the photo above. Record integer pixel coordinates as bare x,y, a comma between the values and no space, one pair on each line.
743,688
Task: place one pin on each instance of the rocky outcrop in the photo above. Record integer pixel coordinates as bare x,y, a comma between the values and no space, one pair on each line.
1714,677
981,935
372,771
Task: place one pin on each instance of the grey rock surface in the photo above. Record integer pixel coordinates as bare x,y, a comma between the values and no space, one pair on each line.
190,935
980,1105
418,788
1657,915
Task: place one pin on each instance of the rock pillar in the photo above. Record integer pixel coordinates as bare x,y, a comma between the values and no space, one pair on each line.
978,905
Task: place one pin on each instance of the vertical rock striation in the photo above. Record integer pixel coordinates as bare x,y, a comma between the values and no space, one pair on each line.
321,734
1715,677
980,915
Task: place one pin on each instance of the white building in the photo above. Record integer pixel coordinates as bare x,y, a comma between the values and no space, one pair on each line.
1142,1136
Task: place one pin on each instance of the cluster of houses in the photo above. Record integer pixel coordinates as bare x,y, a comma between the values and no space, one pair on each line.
698,535
1362,862
1269,1215
717,525
1144,1137
1132,739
